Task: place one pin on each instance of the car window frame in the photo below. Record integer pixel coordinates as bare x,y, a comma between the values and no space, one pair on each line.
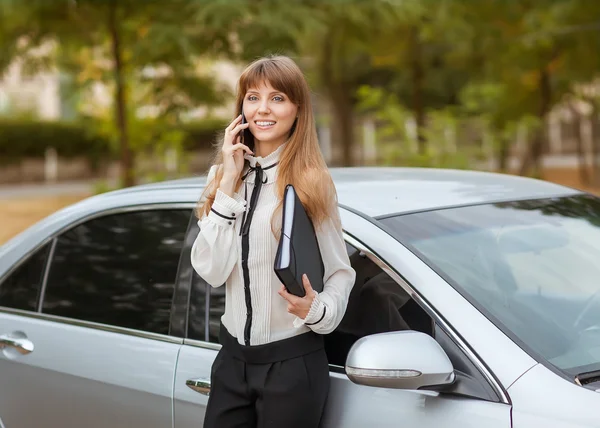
23,260
178,325
90,324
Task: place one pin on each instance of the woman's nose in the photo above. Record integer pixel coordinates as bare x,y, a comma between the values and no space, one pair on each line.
263,108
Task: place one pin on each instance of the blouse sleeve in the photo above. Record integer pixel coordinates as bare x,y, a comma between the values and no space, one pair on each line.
215,252
329,306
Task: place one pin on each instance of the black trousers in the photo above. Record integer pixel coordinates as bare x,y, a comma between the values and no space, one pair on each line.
283,384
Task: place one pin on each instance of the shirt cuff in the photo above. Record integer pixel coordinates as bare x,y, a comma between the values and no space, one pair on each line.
315,314
225,209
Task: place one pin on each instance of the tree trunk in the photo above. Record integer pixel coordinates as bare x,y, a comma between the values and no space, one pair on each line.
343,123
341,107
584,176
596,143
418,77
503,155
120,97
534,153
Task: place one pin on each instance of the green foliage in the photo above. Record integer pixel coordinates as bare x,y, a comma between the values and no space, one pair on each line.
102,186
147,55
471,73
20,139
203,134
397,156
397,144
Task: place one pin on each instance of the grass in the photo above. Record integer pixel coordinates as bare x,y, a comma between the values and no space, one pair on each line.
17,215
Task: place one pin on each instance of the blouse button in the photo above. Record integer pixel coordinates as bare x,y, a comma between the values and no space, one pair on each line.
229,222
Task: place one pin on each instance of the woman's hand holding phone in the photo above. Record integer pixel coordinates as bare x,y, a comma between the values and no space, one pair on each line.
233,155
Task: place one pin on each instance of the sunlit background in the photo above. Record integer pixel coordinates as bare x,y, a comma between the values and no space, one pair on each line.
101,94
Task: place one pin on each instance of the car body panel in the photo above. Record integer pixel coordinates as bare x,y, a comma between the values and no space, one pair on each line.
350,405
384,190
195,362
356,406
114,377
79,376
543,399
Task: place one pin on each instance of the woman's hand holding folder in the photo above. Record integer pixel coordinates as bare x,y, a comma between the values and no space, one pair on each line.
299,306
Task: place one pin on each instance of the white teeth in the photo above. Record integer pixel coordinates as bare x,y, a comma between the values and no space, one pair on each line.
265,123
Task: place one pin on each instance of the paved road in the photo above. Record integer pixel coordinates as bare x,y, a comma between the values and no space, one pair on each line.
35,190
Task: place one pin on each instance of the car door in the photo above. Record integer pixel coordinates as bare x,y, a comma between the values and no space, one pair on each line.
378,304
204,306
92,347
349,405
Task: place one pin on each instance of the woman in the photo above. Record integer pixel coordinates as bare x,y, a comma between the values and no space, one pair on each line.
272,369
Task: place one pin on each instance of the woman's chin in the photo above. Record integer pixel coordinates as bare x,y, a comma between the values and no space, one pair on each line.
268,137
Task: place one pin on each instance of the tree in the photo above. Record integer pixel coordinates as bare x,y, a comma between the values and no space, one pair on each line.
332,40
528,62
120,43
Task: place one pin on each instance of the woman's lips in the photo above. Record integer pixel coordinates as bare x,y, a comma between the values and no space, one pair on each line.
265,124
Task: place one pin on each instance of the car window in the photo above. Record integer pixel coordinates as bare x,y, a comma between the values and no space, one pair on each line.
377,304
20,289
119,269
207,305
529,266
198,308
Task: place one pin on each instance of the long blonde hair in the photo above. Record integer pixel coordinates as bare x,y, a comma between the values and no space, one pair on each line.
301,163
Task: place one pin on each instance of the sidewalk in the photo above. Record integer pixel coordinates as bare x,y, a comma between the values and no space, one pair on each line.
42,189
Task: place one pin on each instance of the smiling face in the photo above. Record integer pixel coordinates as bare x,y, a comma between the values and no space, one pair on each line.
270,114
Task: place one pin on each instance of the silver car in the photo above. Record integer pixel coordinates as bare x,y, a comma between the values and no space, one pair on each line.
476,304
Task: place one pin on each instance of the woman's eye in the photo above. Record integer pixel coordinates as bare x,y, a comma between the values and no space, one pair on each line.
278,98
252,97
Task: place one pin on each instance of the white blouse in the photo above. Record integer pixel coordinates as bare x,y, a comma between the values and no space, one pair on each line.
258,314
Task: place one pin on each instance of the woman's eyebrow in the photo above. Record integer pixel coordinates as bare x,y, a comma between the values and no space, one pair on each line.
251,91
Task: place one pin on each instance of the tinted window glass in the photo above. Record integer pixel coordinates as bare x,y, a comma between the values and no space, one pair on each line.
376,304
530,266
206,307
198,308
205,299
216,311
118,270
20,289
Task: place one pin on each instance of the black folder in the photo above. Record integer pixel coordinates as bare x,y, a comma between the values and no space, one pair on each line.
298,251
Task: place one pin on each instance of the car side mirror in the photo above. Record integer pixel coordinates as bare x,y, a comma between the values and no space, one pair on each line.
400,360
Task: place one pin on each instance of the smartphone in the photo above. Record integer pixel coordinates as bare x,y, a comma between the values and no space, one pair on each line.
246,136
242,132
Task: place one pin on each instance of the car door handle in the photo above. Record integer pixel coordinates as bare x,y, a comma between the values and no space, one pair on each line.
201,385
22,345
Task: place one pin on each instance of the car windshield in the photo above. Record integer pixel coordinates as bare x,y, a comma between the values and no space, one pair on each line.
532,267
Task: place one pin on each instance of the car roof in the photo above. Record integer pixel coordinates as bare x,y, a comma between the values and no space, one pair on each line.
381,191
373,191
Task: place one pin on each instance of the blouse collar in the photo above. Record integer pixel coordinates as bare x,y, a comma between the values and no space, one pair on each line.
267,163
